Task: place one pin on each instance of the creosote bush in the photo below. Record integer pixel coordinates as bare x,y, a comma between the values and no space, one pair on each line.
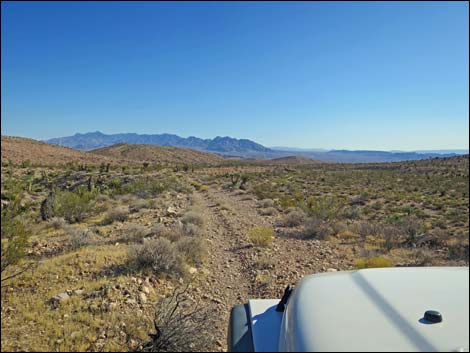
74,206
261,236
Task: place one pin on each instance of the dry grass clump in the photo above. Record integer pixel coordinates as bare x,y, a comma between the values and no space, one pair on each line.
193,250
261,236
347,235
192,217
158,255
116,214
373,262
294,218
265,203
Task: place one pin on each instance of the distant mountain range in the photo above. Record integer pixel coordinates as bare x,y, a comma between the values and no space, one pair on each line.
93,140
232,147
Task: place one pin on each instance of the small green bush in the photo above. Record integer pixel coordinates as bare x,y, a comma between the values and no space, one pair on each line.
74,206
261,236
373,262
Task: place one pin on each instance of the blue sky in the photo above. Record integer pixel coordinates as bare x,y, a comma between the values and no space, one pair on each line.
331,75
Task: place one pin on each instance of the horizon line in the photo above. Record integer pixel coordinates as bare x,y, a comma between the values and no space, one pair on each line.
301,149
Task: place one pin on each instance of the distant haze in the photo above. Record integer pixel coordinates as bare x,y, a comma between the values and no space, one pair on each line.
233,147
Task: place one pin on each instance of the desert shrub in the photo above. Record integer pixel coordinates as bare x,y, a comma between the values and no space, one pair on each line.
192,229
373,262
294,218
26,163
359,200
57,222
316,229
423,257
116,214
158,230
458,251
74,206
267,211
192,217
411,227
350,212
175,232
78,236
14,240
134,233
193,250
265,262
180,325
261,236
324,209
391,237
265,203
158,255
365,229
347,235
139,205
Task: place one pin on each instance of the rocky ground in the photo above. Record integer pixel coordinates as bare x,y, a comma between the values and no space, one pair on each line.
233,271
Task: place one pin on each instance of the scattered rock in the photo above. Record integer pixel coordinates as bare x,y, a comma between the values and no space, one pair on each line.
59,298
171,211
192,270
142,298
145,289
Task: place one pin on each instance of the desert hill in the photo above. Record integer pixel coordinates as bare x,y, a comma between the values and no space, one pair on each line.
20,149
157,154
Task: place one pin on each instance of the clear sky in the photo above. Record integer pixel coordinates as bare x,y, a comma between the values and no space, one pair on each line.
332,75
